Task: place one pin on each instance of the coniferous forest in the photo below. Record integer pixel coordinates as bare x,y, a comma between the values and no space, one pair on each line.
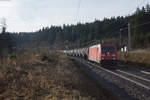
70,36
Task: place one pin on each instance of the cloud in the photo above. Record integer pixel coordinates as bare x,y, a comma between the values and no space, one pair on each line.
30,15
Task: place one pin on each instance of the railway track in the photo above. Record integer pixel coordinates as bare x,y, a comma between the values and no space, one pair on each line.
128,76
133,82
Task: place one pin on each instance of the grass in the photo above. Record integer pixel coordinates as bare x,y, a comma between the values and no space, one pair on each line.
27,76
142,58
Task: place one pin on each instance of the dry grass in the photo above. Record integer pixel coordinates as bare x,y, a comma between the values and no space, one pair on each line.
28,77
134,57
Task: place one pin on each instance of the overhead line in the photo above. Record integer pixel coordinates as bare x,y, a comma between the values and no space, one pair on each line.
136,26
121,29
78,10
141,24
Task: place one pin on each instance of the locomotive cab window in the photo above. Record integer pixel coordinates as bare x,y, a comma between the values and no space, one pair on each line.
108,49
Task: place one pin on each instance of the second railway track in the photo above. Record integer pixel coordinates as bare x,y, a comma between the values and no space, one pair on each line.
135,85
127,76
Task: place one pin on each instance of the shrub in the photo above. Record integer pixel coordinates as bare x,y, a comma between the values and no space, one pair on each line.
44,57
135,57
12,56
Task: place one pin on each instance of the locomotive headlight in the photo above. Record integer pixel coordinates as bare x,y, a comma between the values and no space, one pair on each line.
113,55
114,58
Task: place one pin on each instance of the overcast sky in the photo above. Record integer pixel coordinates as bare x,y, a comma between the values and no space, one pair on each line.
31,15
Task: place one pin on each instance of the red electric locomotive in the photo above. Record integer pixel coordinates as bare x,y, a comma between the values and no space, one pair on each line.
103,54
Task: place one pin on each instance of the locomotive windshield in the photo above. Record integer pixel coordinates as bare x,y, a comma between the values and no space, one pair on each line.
108,49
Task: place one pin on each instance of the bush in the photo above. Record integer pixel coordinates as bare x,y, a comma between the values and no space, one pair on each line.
135,57
44,57
12,56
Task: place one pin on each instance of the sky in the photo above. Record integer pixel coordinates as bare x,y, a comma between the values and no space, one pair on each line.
32,15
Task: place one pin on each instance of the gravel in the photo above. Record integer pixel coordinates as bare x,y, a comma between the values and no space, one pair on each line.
122,88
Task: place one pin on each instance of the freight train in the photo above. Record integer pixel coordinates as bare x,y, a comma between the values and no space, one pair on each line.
104,54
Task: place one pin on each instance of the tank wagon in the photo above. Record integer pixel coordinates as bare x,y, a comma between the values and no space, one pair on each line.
100,53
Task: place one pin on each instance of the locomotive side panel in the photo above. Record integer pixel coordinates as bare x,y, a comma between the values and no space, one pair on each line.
94,53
